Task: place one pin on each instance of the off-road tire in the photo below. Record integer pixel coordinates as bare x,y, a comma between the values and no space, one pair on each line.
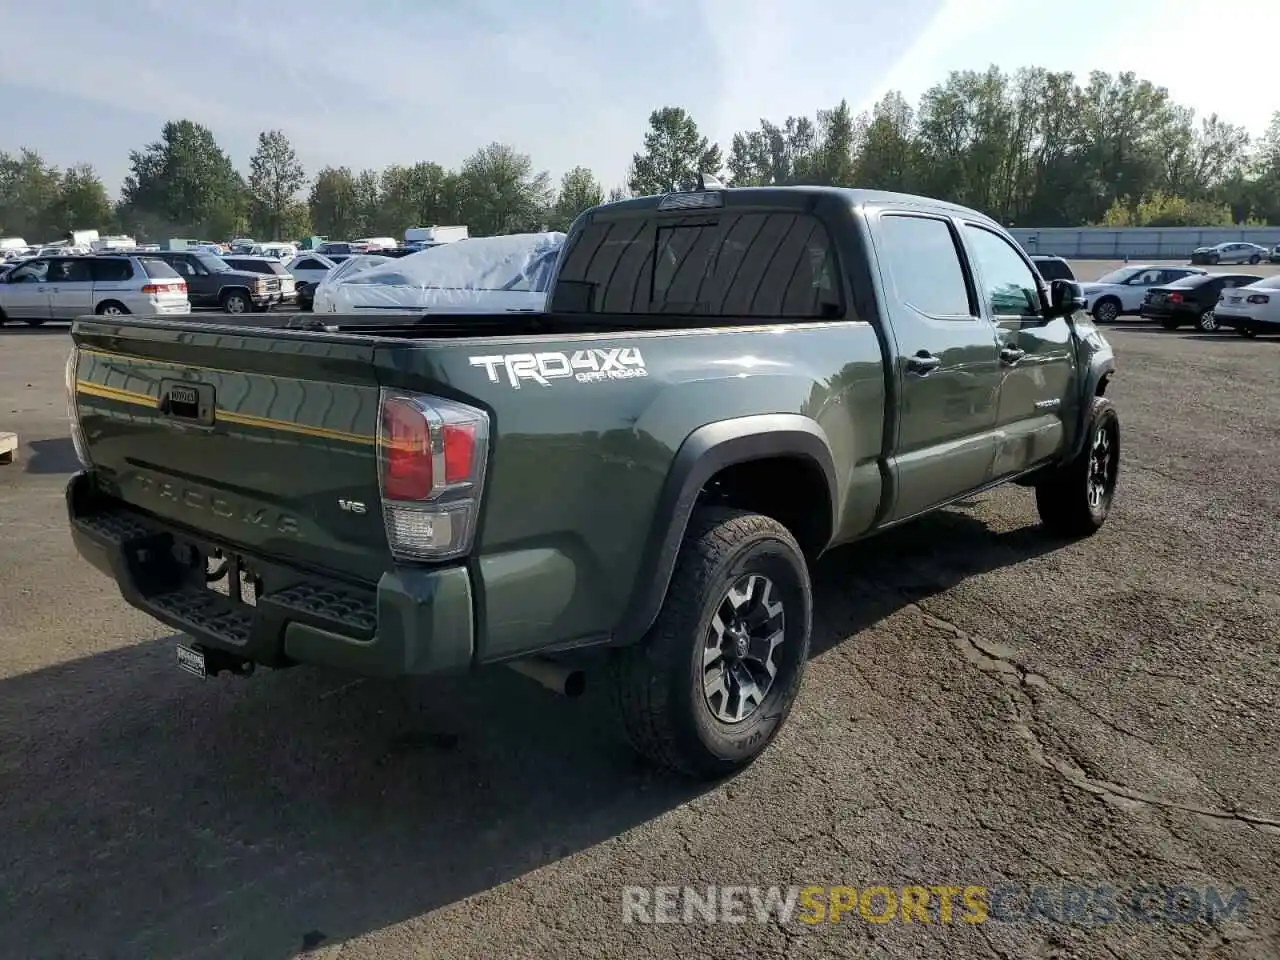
1062,497
658,682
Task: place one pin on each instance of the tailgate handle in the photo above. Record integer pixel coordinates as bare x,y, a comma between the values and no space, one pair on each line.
187,402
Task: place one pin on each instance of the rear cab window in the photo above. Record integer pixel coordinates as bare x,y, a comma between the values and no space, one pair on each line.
730,264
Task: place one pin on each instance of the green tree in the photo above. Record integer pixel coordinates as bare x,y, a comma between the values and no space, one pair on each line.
186,182
29,190
332,202
367,197
674,154
423,195
81,202
276,178
579,191
503,193
889,159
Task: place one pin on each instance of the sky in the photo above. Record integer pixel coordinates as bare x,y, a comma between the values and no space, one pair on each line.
570,82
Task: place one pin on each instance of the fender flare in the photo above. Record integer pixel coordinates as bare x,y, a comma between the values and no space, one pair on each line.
705,452
1100,371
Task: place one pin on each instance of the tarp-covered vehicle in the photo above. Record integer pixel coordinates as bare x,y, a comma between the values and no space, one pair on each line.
482,274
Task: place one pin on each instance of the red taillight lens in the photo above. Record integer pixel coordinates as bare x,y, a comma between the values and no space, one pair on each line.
1175,298
1258,298
459,449
406,449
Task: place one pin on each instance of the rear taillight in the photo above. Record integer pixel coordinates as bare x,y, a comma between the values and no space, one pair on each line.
70,377
431,457
178,286
1258,298
1175,298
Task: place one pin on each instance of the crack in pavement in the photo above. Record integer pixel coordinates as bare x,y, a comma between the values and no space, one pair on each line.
1020,680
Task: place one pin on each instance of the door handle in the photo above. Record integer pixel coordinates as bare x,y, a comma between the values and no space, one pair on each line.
1011,355
923,363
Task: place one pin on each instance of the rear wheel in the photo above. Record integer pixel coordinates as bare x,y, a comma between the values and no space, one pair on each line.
1255,259
1213,259
111,308
1075,500
712,683
1208,322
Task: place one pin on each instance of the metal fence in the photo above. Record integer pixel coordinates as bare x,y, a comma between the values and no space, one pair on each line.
1154,243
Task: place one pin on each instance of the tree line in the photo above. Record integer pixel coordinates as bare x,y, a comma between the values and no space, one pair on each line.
1032,147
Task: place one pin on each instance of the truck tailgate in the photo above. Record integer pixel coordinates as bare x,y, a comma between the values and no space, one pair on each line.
262,439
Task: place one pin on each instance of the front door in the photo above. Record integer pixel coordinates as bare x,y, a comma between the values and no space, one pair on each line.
70,284
25,296
1037,357
946,364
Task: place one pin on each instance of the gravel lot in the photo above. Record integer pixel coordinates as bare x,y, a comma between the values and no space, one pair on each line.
983,707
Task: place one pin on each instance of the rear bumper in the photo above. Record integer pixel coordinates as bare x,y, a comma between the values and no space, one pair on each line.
1239,321
415,621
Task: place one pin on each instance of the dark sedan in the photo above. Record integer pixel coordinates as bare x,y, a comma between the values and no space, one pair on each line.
1191,300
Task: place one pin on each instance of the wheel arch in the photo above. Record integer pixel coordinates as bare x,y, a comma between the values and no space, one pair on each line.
740,462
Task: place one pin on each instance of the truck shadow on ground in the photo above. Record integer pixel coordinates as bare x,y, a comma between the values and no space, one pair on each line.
147,814
57,455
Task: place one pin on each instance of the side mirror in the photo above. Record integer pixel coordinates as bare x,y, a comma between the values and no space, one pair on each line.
1065,298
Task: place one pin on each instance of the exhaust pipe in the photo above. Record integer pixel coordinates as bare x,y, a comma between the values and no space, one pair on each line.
556,677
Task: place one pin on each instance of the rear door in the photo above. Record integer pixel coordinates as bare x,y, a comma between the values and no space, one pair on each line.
113,280
70,284
1036,354
946,363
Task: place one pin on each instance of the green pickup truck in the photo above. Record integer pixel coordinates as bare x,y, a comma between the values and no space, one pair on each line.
725,383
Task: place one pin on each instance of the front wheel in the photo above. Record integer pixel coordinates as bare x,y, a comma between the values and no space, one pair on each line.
1208,322
711,684
1106,310
1075,499
236,303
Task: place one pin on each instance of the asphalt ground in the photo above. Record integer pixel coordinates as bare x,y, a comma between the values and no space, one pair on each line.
984,708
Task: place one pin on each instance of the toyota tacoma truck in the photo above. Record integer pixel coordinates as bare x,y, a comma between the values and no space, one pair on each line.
726,383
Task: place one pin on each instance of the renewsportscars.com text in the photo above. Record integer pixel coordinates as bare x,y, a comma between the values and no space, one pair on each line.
936,904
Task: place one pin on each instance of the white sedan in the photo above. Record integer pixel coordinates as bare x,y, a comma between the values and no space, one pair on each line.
1251,310
322,293
308,269
476,275
1123,290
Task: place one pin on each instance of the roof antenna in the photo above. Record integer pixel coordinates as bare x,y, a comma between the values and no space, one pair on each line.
707,181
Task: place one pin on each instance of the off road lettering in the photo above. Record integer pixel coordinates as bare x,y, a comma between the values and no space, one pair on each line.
583,366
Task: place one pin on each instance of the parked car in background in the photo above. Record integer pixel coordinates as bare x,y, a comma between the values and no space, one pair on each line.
1251,310
1191,300
268,267
1236,252
63,288
1053,268
481,275
212,282
307,270
1122,291
1275,254
335,246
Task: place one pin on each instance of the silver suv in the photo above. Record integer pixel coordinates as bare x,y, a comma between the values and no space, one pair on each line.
63,288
